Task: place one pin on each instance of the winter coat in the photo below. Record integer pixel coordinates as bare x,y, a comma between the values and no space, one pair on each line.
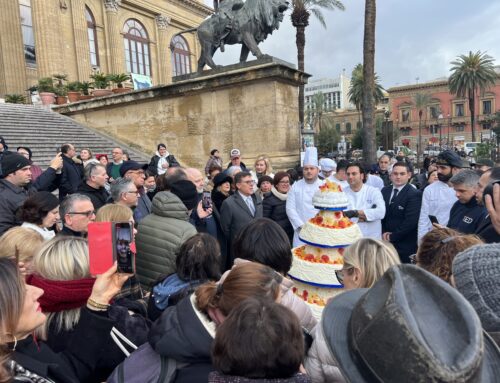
218,198
185,334
99,197
160,236
153,164
12,197
77,361
134,327
213,161
216,377
274,207
319,363
288,299
467,217
71,177
143,207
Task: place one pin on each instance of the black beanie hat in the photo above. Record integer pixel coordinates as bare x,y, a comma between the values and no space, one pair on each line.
186,191
264,179
12,162
30,154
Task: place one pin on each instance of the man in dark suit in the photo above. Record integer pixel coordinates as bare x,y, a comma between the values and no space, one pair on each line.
402,202
241,208
72,172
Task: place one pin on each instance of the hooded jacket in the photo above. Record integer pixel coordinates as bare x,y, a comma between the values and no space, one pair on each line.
160,236
185,334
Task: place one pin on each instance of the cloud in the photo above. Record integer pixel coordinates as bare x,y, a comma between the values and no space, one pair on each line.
413,39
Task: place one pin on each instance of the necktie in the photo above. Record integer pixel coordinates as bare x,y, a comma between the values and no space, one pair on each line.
250,205
394,195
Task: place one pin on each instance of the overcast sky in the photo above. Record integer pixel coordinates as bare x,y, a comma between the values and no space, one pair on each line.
414,39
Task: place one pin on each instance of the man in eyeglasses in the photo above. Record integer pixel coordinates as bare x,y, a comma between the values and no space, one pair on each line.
76,212
241,208
134,171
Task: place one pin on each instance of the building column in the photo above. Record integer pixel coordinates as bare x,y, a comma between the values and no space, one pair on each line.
115,38
162,23
47,30
82,49
13,74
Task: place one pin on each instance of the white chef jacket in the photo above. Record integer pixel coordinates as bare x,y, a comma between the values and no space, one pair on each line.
370,200
343,184
299,207
375,181
438,198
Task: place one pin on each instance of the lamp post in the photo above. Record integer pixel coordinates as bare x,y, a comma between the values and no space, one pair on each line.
440,121
449,127
387,114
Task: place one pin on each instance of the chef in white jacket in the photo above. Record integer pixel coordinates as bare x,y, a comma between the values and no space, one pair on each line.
366,204
299,207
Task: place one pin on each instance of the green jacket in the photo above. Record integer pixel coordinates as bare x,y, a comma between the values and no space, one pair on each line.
160,236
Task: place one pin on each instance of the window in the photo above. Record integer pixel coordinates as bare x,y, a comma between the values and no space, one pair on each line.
181,60
487,126
459,110
358,125
460,128
434,111
487,107
337,127
136,43
405,115
27,30
92,35
348,128
434,129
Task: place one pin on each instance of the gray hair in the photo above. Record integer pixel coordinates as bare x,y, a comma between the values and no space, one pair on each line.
120,186
67,204
465,177
90,170
232,170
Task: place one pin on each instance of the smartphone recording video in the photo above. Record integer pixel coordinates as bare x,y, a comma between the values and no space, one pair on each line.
206,201
124,256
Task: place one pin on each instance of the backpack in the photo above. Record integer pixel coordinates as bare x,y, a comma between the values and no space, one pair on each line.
145,365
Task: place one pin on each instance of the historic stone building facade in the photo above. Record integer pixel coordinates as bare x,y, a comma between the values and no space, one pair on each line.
78,37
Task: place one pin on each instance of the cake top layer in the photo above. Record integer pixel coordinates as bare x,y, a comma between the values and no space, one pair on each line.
330,195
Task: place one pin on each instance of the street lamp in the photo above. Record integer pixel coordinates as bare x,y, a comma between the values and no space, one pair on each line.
449,127
440,121
387,114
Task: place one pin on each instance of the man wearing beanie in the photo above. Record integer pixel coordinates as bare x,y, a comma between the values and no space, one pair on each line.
439,197
161,233
15,185
476,274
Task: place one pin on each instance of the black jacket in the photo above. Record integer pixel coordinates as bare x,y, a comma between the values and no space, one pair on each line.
77,361
12,197
487,231
98,197
466,218
275,209
401,219
153,164
71,178
179,334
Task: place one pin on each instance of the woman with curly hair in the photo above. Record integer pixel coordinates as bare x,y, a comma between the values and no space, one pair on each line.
438,249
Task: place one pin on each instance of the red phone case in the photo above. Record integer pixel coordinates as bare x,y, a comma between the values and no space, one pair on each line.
100,239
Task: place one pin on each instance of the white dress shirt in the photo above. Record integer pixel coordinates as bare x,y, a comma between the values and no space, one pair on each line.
370,200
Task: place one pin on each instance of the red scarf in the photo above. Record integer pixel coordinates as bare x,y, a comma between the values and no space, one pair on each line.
62,295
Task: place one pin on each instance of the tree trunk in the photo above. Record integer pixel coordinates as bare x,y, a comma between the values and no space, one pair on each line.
472,110
369,150
300,40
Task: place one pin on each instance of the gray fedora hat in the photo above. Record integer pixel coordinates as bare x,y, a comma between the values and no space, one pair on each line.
409,327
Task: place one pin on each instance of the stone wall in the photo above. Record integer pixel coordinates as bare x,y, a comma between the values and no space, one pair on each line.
250,106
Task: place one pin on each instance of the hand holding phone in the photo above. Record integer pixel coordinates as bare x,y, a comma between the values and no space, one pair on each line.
433,219
124,256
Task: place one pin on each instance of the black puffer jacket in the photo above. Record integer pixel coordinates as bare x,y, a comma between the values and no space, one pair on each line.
274,206
180,334
99,197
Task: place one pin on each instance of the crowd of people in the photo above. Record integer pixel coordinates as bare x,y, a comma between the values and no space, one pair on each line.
210,299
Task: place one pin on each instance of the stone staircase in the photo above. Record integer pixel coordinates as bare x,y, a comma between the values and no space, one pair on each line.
43,131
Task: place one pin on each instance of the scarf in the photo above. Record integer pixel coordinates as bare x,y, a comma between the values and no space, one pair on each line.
277,194
164,290
62,295
217,377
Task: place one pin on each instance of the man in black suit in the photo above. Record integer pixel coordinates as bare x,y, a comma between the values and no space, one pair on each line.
402,202
241,208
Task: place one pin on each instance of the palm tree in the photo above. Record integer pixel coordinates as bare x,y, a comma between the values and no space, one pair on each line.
355,93
318,108
302,9
421,101
369,150
471,74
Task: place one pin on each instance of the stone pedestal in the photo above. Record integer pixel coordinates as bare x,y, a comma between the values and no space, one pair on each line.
251,106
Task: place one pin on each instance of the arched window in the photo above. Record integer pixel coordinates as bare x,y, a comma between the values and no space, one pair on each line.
348,128
181,57
92,35
27,30
337,127
136,43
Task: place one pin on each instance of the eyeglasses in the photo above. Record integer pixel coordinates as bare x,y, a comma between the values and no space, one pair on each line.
340,274
249,182
284,182
133,192
89,213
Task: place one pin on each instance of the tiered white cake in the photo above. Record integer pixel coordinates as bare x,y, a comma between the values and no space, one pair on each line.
325,237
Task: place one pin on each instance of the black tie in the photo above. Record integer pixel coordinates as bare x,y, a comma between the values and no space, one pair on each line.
394,195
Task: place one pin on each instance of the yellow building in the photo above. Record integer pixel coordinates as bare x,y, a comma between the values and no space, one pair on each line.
40,38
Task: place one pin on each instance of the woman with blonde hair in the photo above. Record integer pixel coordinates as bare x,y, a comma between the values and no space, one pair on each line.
87,157
114,213
61,270
21,244
439,248
262,167
365,261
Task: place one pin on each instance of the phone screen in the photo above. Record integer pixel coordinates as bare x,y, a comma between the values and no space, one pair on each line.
433,219
206,200
124,256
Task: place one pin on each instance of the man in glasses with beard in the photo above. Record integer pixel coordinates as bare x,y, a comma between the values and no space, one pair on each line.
439,197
